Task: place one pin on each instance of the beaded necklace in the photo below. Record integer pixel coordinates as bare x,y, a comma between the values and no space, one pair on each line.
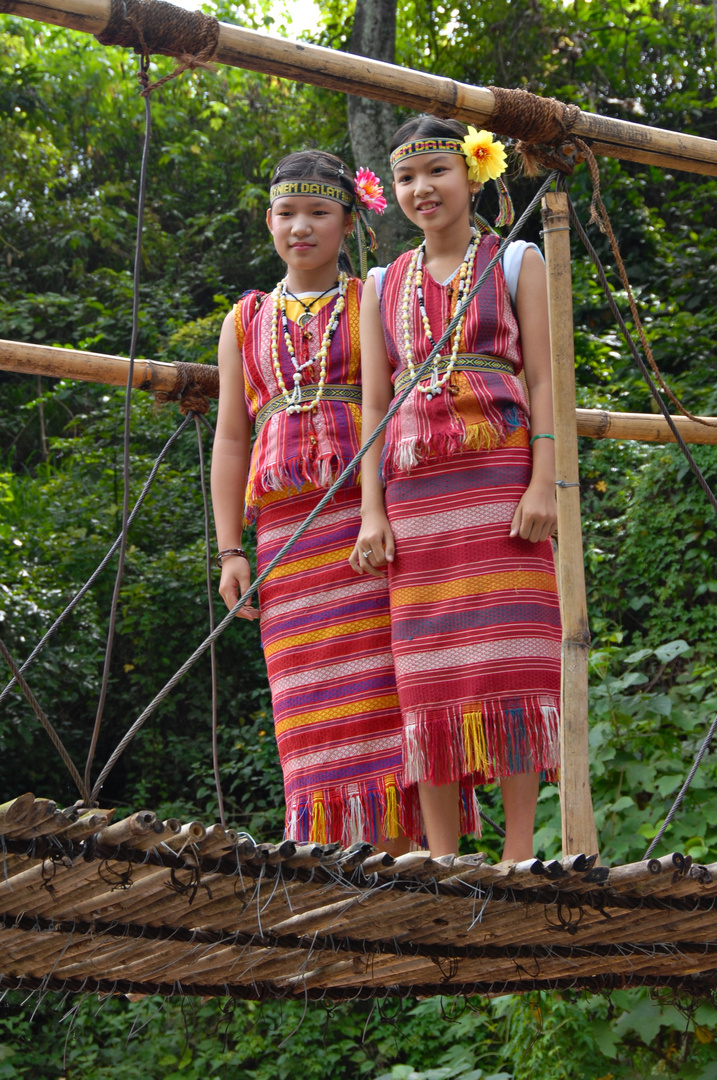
415,276
293,399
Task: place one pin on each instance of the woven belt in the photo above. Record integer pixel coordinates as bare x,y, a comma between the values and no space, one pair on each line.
464,362
308,393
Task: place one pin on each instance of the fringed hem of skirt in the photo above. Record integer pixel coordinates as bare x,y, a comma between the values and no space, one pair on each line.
326,817
482,742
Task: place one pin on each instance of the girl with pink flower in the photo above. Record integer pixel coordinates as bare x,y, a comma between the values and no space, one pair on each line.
289,367
459,501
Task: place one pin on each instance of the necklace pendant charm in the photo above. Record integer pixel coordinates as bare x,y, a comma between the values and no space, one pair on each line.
304,319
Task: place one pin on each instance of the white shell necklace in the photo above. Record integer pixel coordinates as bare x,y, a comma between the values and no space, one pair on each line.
414,278
293,399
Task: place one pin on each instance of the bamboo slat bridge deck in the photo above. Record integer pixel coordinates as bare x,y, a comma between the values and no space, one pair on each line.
144,906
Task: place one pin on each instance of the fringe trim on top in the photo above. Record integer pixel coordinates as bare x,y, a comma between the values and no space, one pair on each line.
348,817
482,437
403,456
293,476
483,742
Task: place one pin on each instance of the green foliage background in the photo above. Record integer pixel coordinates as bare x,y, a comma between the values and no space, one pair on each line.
71,129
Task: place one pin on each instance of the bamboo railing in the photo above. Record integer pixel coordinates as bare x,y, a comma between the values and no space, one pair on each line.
157,375
370,78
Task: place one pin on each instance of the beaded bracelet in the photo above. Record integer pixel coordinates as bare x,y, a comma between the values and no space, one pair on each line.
226,554
543,436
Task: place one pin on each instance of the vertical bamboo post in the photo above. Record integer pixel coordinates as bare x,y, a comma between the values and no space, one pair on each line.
578,822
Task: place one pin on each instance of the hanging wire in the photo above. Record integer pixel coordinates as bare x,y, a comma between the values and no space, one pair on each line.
100,567
39,713
690,460
421,373
638,359
683,790
144,65
212,647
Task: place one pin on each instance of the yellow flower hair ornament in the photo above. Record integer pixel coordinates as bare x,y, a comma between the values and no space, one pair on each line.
485,156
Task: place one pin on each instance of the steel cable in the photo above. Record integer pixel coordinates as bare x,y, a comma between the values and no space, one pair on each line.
638,359
144,64
690,460
100,567
212,647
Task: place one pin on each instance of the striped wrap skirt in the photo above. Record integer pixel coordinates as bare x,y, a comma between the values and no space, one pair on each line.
326,637
475,626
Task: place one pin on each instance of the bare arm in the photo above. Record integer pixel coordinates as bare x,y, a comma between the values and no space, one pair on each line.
375,535
536,515
230,463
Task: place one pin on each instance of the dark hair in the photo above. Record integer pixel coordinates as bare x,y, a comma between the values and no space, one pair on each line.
428,127
319,165
315,165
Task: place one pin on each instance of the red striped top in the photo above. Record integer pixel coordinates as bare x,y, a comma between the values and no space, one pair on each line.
298,451
482,407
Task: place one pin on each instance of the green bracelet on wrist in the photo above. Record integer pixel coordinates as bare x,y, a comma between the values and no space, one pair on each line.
545,435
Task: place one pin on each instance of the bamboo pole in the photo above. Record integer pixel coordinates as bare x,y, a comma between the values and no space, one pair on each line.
57,363
156,375
578,823
370,78
643,427
16,810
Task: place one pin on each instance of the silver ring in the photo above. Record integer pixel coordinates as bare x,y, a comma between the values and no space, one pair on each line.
367,553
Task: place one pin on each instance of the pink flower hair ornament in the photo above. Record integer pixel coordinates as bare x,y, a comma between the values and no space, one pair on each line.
369,191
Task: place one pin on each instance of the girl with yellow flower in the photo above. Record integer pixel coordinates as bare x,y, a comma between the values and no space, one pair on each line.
459,503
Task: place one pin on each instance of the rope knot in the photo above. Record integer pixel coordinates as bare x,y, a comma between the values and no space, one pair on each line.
194,384
541,126
153,26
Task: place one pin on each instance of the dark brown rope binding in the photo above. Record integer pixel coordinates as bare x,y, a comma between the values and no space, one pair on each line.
193,385
153,26
542,126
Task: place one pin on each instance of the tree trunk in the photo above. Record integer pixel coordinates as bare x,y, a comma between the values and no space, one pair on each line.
372,123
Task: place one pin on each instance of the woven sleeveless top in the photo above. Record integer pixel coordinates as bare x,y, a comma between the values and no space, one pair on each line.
299,451
483,402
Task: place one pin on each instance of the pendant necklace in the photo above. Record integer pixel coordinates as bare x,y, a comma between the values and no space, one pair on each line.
307,315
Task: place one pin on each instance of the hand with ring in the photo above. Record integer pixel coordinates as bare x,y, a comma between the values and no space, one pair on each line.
374,548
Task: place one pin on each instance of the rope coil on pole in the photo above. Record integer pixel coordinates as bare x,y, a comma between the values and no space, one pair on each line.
152,26
195,384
